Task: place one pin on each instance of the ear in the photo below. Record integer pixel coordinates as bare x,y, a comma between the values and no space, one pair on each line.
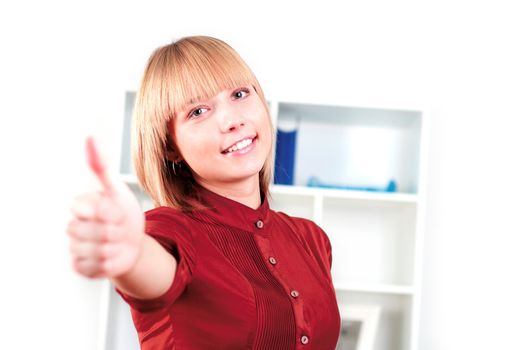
173,156
171,152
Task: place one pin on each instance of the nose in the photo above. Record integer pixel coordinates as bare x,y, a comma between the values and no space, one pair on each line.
232,124
231,120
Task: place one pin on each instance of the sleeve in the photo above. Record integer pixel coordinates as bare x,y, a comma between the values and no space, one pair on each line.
328,248
319,244
170,228
315,241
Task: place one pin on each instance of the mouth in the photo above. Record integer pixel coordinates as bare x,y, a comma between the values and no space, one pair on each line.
241,146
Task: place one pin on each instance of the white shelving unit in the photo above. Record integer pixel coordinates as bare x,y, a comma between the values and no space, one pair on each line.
376,236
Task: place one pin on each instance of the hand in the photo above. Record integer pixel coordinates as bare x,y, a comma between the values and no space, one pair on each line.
107,229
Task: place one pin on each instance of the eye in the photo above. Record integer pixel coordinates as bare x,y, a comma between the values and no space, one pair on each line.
239,94
197,112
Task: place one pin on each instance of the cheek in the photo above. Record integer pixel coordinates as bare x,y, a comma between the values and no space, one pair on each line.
195,147
268,135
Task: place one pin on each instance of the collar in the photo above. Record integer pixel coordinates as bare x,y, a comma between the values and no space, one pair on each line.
232,213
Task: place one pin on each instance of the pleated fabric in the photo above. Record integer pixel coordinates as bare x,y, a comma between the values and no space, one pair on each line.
245,279
273,309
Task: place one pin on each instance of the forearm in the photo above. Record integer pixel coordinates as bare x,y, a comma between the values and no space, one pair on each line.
152,274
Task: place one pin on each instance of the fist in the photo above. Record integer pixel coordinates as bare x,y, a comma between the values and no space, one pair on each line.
106,230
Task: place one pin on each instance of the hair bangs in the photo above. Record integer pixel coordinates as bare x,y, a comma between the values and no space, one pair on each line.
201,72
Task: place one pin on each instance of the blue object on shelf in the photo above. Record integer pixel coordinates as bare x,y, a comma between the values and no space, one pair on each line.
285,157
391,187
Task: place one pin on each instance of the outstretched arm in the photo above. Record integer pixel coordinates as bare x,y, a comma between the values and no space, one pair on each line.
107,238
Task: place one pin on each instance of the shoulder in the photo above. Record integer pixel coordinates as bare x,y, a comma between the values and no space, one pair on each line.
164,213
307,230
312,237
302,226
166,219
169,226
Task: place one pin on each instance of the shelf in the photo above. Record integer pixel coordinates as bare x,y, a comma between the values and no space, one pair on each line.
322,192
394,330
129,179
373,244
353,146
346,115
370,288
349,194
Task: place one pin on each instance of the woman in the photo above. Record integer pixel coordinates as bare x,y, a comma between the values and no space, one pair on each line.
212,266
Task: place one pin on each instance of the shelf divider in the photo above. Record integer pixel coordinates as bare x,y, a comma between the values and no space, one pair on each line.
374,288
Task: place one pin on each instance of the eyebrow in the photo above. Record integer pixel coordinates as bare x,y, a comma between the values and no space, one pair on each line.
187,104
193,100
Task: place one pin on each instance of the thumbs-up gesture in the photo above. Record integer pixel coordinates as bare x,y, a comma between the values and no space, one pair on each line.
107,228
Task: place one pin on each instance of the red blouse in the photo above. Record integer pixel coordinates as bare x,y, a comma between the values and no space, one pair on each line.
245,279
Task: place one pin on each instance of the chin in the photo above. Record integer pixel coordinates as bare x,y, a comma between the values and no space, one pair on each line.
248,173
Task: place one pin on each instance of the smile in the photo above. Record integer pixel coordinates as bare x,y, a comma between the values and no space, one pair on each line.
240,147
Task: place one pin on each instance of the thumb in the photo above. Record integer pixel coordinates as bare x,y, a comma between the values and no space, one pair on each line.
98,167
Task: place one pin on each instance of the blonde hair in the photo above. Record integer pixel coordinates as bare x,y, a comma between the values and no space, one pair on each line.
191,68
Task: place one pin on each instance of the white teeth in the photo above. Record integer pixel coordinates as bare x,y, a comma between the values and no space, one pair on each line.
240,145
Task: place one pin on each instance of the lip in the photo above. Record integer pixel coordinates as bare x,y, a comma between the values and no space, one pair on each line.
250,137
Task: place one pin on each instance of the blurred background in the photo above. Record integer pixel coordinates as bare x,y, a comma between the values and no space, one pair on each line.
65,67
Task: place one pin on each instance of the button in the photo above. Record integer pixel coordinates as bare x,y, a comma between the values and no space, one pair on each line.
272,260
259,224
304,340
294,294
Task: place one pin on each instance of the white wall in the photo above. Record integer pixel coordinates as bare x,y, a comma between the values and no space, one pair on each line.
64,68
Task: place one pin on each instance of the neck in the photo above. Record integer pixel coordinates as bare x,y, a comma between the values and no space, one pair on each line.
246,192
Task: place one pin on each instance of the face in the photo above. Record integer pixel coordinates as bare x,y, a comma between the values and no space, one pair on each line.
225,139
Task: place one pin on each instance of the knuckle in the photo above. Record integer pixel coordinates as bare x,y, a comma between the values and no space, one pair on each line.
70,229
86,267
103,252
106,251
77,265
106,233
112,232
98,253
83,210
79,250
92,274
106,268
72,248
73,228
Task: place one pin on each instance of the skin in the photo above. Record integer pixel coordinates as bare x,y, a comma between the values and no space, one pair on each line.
202,130
107,237
106,230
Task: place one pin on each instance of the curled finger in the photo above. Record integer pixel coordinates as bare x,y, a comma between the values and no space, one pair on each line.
85,249
84,207
87,267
